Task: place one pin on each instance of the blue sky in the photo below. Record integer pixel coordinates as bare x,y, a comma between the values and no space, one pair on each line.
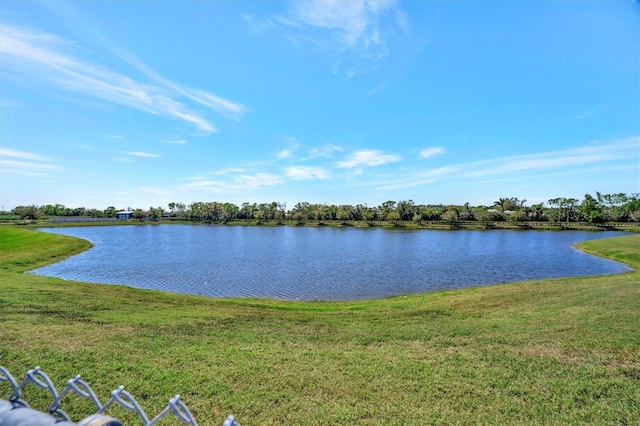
138,104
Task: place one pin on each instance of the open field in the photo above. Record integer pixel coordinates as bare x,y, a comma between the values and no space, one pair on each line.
563,351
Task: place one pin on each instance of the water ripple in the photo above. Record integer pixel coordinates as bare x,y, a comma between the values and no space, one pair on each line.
321,263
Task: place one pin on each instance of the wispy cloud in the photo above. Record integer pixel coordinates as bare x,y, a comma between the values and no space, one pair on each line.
48,58
599,152
413,178
176,141
614,155
404,185
123,159
587,113
142,154
430,152
325,151
203,183
359,32
285,153
258,180
371,158
234,183
306,173
22,162
83,147
353,22
14,153
232,170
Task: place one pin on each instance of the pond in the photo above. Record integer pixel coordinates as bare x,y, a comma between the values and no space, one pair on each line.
321,263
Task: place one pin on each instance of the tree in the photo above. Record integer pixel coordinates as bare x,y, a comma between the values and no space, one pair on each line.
591,209
110,211
564,208
466,213
230,211
319,212
282,211
53,210
181,210
614,203
344,213
155,213
406,209
29,213
139,214
386,209
519,215
568,205
508,204
393,217
301,212
451,214
197,211
259,216
502,204
214,211
487,216
368,214
537,212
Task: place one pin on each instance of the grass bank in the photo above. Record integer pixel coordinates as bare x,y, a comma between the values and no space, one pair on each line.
563,351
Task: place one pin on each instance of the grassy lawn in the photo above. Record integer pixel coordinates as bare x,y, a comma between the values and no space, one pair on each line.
563,351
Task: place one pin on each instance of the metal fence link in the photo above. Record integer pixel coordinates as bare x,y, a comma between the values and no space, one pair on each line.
81,388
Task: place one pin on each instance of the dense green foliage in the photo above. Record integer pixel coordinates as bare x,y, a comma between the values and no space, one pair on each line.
564,351
599,209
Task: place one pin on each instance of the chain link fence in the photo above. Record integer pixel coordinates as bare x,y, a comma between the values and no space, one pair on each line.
16,411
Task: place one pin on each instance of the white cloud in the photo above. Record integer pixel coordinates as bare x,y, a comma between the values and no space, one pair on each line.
231,170
324,151
143,154
432,151
306,173
404,185
123,160
46,58
621,149
201,183
585,159
83,147
176,141
371,158
257,180
358,32
233,183
285,153
588,113
14,153
25,165
22,162
354,22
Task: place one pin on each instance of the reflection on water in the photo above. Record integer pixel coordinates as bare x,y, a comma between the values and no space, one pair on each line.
310,263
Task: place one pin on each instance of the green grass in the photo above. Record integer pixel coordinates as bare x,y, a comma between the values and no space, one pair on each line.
563,351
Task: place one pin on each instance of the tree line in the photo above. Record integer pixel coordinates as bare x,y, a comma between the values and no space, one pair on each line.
600,208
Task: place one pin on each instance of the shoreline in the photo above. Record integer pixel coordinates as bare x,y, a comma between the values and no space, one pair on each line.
558,351
401,225
84,245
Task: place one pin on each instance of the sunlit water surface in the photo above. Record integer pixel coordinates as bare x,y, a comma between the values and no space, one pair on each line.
309,263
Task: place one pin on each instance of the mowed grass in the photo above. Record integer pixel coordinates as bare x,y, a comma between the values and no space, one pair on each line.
563,351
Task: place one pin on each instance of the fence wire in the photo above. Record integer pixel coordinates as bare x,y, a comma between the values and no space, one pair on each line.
118,397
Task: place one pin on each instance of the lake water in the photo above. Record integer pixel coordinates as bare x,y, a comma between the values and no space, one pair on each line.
320,263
